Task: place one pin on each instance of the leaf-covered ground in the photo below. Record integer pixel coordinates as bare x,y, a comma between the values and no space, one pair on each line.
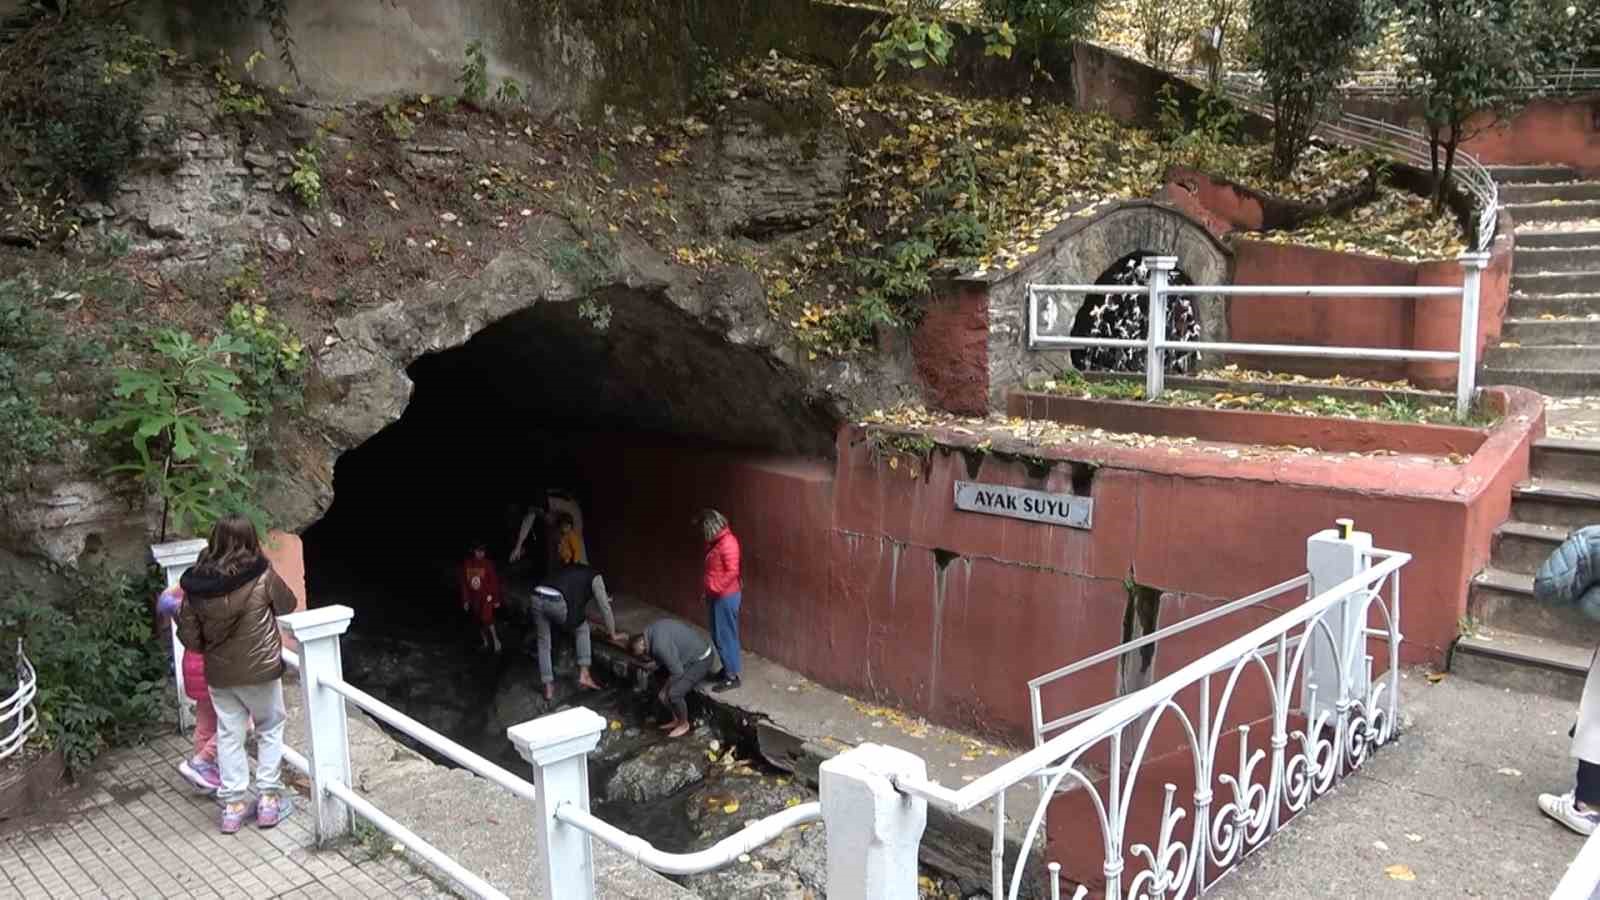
1397,225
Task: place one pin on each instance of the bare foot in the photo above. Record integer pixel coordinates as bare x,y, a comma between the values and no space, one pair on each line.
667,726
549,692
586,681
679,731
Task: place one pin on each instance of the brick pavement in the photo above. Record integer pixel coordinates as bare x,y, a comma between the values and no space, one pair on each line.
138,830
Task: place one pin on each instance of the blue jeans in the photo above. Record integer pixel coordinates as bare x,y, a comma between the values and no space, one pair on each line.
724,612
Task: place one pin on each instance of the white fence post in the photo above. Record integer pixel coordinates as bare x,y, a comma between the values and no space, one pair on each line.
318,631
1472,266
1339,674
558,747
1155,358
175,558
873,830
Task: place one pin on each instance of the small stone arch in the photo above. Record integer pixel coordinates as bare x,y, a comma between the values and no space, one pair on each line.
1080,251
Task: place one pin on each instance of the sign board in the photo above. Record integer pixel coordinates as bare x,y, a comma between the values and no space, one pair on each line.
1020,503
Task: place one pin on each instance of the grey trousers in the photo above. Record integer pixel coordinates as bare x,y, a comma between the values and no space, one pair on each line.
236,706
554,612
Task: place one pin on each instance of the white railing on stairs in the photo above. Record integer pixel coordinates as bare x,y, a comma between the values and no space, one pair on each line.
18,717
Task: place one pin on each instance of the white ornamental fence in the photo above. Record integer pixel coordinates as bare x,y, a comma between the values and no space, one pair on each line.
18,718
1325,715
1156,345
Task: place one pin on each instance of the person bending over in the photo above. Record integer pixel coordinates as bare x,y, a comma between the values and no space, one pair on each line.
686,655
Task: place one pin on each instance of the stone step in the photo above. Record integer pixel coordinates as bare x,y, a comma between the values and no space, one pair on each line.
1554,212
1509,175
1532,306
1566,460
1521,547
1551,332
1554,382
1541,238
1539,192
1503,601
1574,357
1583,281
1523,663
1553,501
1533,260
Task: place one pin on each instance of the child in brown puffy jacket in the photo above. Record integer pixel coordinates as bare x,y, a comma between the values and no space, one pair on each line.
232,599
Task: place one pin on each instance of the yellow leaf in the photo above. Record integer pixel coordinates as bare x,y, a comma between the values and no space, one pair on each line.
1400,872
616,725
731,807
1435,677
792,802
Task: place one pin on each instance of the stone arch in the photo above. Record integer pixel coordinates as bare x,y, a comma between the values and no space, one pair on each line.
1079,252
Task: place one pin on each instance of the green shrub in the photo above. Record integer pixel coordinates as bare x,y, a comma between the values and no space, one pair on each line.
178,422
272,360
101,675
474,77
306,179
87,111
26,432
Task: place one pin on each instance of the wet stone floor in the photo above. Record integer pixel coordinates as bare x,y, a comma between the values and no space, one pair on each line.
681,795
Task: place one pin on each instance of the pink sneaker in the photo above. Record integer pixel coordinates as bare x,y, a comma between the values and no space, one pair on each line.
271,809
205,776
234,816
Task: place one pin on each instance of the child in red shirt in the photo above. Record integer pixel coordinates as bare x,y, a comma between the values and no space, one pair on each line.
480,593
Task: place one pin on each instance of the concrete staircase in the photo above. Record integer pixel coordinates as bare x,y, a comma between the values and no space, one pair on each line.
1551,339
1516,641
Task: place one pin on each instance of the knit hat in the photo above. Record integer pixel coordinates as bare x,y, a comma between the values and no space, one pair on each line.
169,601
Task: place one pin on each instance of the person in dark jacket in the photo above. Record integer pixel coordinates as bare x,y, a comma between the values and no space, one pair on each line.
563,600
722,587
686,655
1570,579
232,601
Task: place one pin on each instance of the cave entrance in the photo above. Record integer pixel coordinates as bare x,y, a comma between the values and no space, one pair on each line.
642,413
1126,316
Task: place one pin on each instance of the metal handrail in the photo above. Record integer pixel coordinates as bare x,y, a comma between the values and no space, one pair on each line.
19,706
1128,708
752,836
1386,83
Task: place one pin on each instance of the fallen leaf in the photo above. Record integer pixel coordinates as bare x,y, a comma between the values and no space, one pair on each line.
1380,846
1514,773
1400,872
731,807
1435,677
1413,837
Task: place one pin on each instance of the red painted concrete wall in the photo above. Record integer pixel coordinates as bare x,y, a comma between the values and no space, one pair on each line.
1331,321
869,580
951,349
1546,132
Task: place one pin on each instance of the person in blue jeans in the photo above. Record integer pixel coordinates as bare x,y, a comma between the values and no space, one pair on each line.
723,588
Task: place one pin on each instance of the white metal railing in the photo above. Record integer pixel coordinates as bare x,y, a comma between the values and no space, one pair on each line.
556,745
1159,290
1314,660
18,717
1582,879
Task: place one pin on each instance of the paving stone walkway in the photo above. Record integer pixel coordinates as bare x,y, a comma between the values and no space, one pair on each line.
136,829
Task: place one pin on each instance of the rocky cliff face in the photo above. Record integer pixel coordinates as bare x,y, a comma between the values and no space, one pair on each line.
603,322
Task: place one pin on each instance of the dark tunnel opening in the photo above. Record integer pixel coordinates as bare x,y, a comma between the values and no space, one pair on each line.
634,421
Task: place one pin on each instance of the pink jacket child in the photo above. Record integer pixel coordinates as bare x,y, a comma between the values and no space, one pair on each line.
200,770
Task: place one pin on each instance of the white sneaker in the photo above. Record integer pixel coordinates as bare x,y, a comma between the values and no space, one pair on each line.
1563,809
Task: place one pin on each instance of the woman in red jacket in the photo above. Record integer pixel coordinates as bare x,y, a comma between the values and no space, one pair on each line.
722,587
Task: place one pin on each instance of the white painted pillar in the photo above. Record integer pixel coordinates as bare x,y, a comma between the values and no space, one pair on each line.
175,558
1333,556
327,730
558,748
1472,266
1155,360
873,830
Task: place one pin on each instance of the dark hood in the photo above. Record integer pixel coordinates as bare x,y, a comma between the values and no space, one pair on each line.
198,583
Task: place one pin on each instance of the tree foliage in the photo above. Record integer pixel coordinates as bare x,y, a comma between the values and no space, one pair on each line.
181,419
1306,48
1471,62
